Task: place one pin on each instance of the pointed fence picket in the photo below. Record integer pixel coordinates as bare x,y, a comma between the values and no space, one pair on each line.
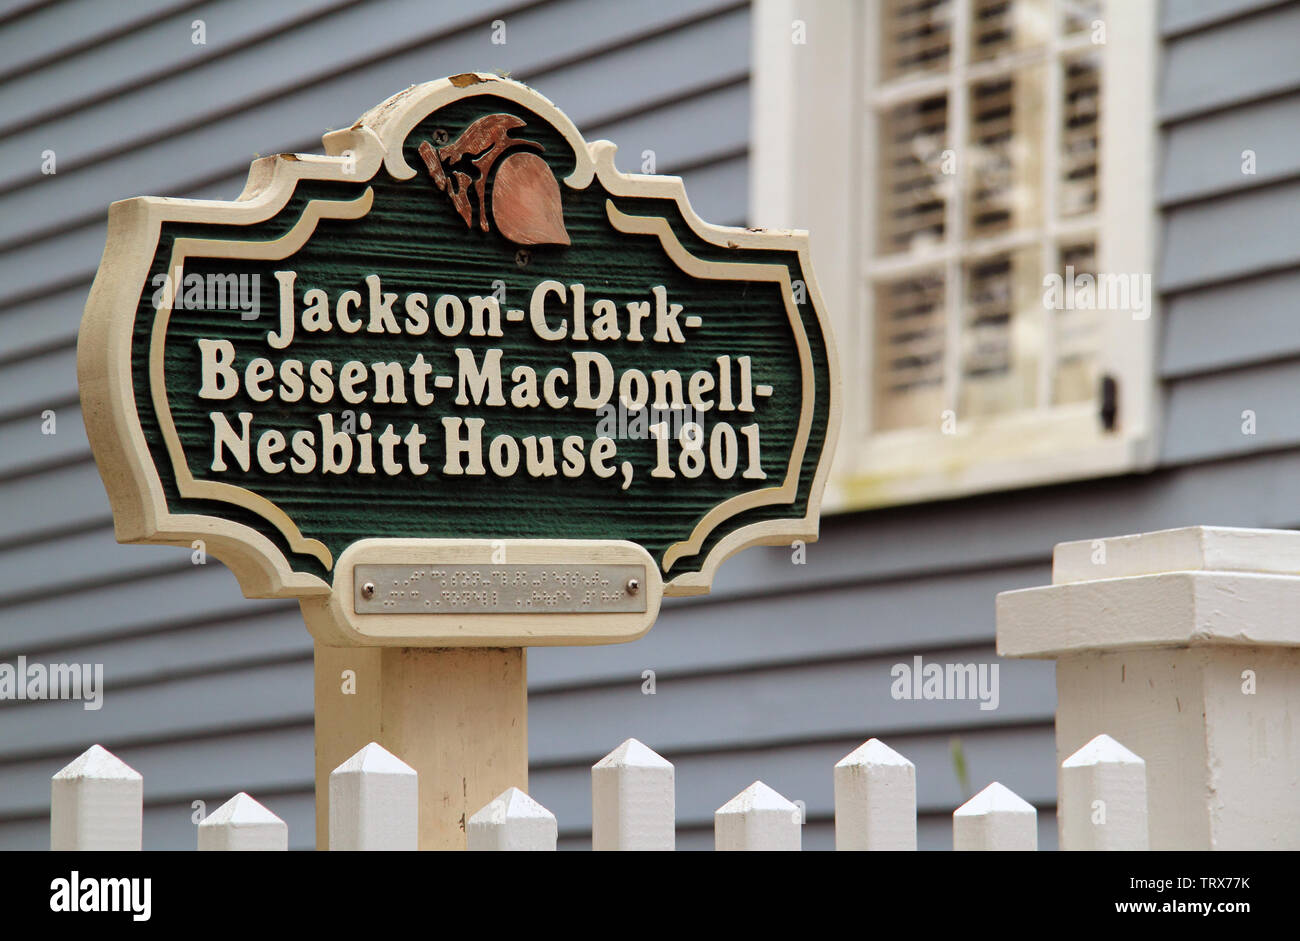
875,799
511,821
1191,784
758,818
633,798
374,802
995,819
242,824
96,803
1104,798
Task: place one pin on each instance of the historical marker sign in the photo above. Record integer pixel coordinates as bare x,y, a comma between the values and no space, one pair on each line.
458,382
460,387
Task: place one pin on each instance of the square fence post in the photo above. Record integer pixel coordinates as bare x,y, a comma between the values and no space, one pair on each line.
1183,645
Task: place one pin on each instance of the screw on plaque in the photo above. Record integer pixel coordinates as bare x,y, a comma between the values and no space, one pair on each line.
368,590
633,586
440,136
523,257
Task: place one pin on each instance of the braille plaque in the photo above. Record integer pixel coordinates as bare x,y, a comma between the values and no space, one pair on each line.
499,589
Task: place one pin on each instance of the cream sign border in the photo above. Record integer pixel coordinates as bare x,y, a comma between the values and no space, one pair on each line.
140,511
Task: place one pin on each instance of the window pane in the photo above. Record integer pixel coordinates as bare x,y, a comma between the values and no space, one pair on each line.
910,338
1005,154
1080,112
915,37
1001,333
1080,15
1004,27
1078,327
913,137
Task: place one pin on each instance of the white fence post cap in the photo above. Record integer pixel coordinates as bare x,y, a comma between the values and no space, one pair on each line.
511,821
873,752
875,799
633,800
374,759
96,803
511,804
240,809
99,763
995,799
1102,750
995,819
633,754
241,823
758,818
374,802
758,796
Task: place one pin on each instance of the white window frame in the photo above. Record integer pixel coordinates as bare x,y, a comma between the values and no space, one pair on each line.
811,168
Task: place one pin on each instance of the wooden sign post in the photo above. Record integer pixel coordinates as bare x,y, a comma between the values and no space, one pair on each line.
460,387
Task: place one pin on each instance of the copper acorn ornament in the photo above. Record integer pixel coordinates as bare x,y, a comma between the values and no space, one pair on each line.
526,203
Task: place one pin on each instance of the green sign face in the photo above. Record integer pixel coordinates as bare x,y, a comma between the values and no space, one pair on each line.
463,325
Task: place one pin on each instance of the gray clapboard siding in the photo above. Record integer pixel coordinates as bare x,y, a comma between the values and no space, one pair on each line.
752,708
26,272
689,133
1180,16
149,52
207,644
690,640
148,127
933,832
1230,252
707,127
66,618
1231,325
30,513
47,32
276,759
804,772
774,704
84,559
1196,254
758,628
1205,417
253,697
235,81
41,324
850,549
1240,61
783,668
37,382
268,633
1203,157
25,448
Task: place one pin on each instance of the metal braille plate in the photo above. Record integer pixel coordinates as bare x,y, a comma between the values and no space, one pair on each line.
537,588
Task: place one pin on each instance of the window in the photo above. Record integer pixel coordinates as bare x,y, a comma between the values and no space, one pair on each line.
992,291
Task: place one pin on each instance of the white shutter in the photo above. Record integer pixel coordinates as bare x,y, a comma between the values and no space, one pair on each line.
916,37
1078,333
1081,120
912,203
909,345
1001,334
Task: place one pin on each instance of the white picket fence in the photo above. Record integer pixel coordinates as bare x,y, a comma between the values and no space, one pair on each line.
97,804
1184,644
